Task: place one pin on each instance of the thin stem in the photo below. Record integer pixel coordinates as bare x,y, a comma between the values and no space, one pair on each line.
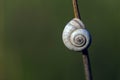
86,60
76,9
87,66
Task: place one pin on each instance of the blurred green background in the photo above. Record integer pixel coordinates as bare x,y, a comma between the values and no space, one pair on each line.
31,47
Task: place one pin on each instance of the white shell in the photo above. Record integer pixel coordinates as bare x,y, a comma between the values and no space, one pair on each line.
75,36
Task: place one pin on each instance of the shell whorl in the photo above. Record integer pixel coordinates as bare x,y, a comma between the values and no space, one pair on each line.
75,36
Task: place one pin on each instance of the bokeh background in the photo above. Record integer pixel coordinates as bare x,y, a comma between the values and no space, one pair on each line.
31,47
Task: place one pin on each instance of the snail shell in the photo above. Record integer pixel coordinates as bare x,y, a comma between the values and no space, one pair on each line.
75,36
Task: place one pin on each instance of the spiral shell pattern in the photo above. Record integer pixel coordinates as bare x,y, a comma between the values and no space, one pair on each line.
75,36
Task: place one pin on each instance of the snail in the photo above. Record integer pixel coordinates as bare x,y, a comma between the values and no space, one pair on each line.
75,36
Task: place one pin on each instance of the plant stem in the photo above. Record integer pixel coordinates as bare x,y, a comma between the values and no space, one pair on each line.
87,66
76,9
85,54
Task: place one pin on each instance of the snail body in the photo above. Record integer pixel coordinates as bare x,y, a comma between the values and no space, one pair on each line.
75,36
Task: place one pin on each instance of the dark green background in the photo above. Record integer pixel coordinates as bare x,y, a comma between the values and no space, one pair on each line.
31,47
